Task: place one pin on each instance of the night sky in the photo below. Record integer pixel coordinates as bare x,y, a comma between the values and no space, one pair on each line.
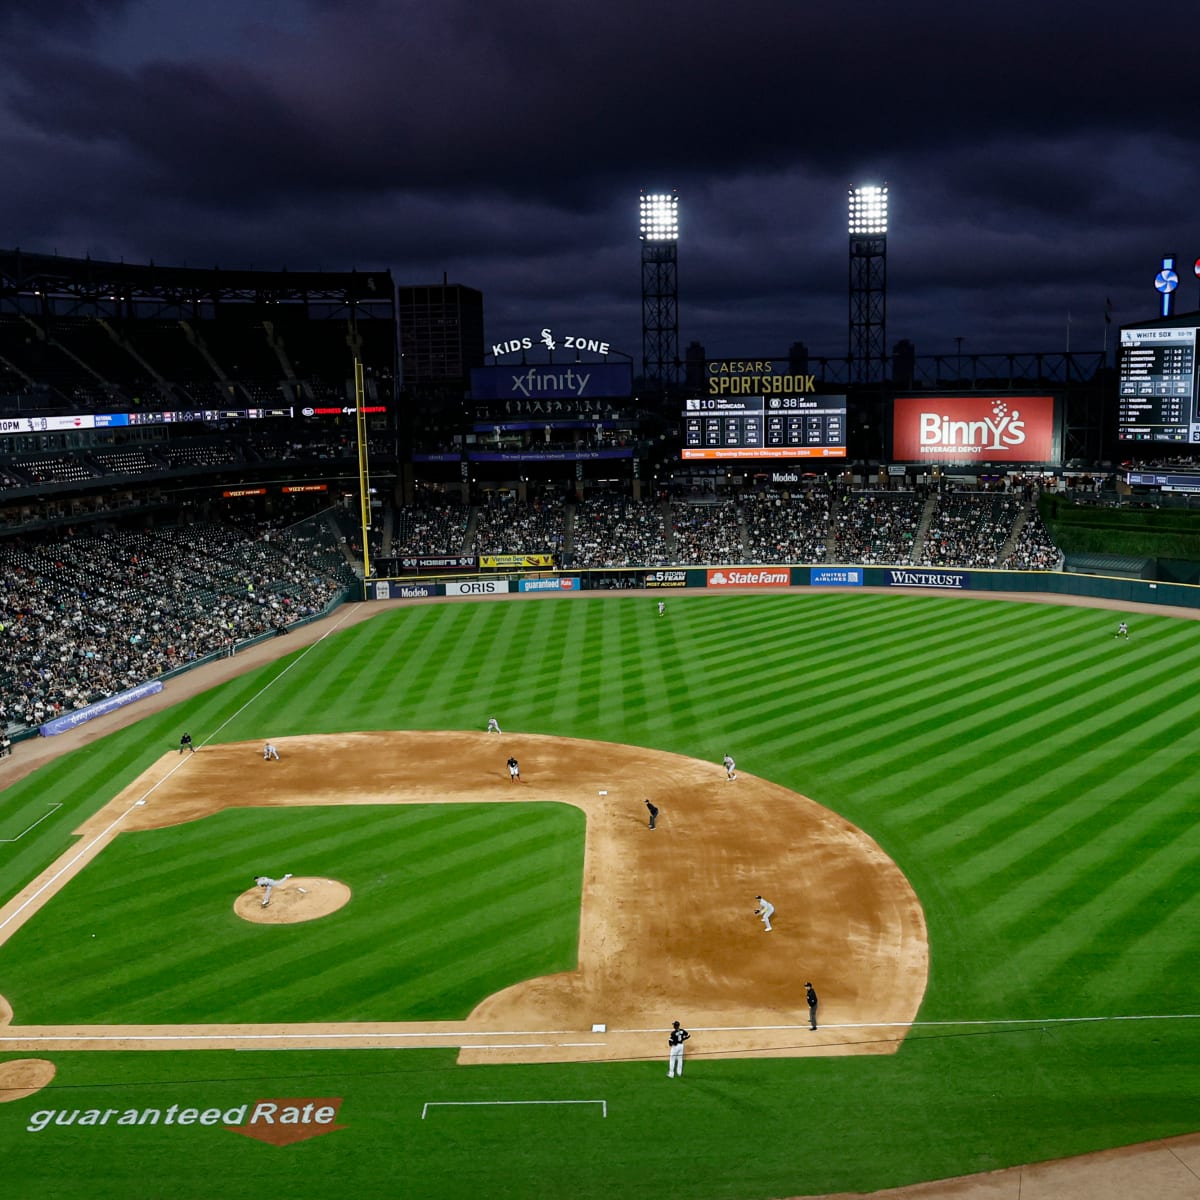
1041,157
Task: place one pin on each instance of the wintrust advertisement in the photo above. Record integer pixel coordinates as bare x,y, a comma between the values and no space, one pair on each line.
984,429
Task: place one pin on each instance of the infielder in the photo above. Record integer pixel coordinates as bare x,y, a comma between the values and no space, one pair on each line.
730,773
265,881
675,1040
514,771
766,910
494,726
269,751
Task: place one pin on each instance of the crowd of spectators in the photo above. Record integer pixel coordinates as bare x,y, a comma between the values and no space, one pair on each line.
613,531
706,533
877,527
787,527
84,616
507,525
430,529
969,529
1034,550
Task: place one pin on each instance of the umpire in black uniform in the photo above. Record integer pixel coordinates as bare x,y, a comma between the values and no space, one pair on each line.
810,995
653,813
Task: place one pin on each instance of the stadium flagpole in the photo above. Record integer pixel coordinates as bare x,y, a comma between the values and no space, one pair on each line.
364,490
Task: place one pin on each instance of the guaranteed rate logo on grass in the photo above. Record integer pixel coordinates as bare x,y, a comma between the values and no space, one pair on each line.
280,1122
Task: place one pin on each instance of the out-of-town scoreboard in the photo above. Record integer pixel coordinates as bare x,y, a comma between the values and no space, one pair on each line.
747,427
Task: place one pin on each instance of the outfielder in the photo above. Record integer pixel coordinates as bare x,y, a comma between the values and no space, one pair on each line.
494,726
662,608
766,910
675,1040
1122,631
269,751
265,881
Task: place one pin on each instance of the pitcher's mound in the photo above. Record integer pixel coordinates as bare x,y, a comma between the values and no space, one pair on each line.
302,898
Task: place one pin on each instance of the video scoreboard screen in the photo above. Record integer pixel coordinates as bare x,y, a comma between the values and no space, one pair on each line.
716,427
1156,390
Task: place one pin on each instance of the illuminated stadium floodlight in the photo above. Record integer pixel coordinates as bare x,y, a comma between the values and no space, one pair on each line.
868,280
660,289
868,210
660,217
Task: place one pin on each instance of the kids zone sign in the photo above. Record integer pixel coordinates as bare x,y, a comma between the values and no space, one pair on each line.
573,378
1022,429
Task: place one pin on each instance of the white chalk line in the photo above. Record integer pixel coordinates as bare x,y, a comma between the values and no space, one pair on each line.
105,833
455,1037
53,808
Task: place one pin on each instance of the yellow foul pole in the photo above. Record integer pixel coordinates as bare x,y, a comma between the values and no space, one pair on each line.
364,488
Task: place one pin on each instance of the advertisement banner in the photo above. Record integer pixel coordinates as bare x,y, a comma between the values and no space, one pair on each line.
835,576
548,585
433,562
908,577
975,429
666,579
415,591
510,562
111,704
552,381
478,587
725,577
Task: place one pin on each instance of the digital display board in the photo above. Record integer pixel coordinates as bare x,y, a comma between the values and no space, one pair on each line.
1156,385
976,429
719,427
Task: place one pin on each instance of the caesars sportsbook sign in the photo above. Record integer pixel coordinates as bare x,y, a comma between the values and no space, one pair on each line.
985,429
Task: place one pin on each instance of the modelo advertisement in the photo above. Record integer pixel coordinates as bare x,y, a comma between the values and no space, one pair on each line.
548,585
478,587
965,429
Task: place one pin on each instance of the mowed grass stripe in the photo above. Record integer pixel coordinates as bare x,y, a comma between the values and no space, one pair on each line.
511,865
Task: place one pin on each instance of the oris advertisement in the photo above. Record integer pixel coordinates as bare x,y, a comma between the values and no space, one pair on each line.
976,429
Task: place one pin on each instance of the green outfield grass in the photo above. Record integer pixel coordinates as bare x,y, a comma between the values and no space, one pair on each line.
1032,776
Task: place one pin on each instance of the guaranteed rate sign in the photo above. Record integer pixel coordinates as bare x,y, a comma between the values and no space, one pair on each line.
984,429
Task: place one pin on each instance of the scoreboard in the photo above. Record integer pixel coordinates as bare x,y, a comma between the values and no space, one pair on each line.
1156,389
717,427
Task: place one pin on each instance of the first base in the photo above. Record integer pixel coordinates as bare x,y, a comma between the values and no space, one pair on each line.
603,793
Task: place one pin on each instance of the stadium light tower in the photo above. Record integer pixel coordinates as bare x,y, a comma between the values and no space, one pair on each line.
660,287
868,280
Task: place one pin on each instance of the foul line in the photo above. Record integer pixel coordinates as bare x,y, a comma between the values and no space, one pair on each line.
53,808
478,1103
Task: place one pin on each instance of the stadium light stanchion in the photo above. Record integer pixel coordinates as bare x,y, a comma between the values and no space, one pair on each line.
364,489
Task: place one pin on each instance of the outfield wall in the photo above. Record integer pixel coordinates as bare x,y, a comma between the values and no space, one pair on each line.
720,578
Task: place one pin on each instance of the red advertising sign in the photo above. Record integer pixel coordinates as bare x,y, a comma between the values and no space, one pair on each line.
974,429
749,577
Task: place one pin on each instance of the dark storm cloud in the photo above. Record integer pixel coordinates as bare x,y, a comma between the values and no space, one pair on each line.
1033,172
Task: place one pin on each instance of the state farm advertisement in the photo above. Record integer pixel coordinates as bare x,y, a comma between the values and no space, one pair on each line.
749,577
984,429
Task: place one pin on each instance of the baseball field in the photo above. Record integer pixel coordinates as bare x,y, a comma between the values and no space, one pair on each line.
976,819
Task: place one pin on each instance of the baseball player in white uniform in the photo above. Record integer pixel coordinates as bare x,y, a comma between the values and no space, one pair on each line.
730,773
494,726
675,1040
766,910
269,752
662,608
265,881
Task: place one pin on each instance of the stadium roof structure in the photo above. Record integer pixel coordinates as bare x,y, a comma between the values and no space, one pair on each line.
88,280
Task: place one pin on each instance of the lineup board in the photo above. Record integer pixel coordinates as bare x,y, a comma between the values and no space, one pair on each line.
1156,390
